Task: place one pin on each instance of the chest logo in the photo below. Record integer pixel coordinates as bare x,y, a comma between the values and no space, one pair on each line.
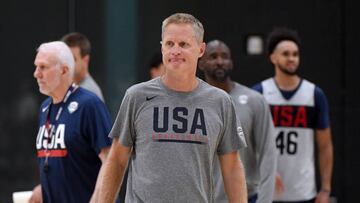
243,99
73,106
150,98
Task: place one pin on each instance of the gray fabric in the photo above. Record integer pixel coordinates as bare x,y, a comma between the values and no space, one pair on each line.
259,158
89,83
165,167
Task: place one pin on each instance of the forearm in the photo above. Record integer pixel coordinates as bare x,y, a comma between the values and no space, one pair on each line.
110,181
325,166
112,172
234,182
267,169
264,133
325,155
103,156
95,195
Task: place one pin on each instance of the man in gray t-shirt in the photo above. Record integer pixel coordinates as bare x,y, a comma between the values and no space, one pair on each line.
259,157
173,128
80,47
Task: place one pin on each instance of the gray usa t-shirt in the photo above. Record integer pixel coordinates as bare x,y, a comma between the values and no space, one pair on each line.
176,137
259,157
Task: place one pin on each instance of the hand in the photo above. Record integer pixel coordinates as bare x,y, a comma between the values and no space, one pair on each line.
36,196
323,197
279,185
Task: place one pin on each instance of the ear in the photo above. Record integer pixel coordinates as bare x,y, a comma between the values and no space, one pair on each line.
202,49
273,58
86,59
64,70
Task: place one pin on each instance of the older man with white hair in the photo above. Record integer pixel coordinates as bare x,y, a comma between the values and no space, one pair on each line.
72,141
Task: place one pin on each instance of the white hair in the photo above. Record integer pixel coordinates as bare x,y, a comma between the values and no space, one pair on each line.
62,54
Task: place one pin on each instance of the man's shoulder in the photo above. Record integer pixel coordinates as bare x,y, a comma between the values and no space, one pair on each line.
214,91
141,88
45,104
259,86
242,89
246,95
90,84
86,97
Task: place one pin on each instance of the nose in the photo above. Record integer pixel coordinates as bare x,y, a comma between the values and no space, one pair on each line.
176,50
219,61
293,57
37,73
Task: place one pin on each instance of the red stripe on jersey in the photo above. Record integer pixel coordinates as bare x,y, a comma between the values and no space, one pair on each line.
52,153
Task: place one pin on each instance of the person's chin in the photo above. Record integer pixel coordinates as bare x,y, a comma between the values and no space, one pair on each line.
177,65
220,76
292,71
44,91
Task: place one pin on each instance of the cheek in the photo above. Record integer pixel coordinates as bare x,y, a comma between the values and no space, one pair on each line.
281,60
53,77
165,56
78,65
210,65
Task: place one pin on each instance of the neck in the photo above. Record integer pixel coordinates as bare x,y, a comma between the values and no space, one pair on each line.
80,77
59,94
226,85
286,82
186,83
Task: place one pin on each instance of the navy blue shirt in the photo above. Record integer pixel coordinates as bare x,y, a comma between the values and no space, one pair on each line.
322,120
79,134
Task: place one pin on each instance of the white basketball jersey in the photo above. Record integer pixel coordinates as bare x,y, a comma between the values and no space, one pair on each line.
294,120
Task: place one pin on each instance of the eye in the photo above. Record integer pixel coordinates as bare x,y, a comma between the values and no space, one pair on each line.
225,56
213,56
184,44
169,44
286,54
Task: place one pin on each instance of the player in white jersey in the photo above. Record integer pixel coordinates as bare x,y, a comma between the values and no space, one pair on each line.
300,115
259,157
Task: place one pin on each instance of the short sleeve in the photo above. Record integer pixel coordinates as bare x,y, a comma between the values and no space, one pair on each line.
258,88
321,109
97,124
123,126
232,138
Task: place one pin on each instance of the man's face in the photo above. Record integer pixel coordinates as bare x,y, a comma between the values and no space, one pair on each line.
47,73
216,62
180,48
286,57
80,62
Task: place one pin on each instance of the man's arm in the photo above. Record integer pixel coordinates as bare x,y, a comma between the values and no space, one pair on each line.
264,134
234,178
112,172
36,196
324,143
103,155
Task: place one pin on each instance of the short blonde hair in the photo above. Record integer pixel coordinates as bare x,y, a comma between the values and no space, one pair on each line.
184,18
